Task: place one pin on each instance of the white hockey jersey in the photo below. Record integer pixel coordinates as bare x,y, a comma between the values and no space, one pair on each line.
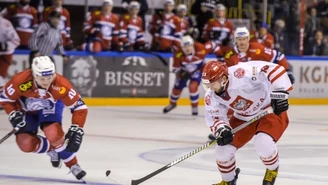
247,92
8,35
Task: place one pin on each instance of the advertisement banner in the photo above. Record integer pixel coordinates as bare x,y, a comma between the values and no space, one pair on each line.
20,63
311,79
118,76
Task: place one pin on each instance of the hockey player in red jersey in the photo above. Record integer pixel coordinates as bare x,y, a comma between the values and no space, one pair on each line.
64,24
244,51
188,62
24,18
102,29
249,88
165,29
131,31
218,29
35,99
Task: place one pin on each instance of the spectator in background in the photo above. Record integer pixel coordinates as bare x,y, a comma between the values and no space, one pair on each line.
64,24
39,5
188,24
317,46
279,35
218,29
9,40
102,29
203,10
314,21
142,11
165,29
46,38
24,19
131,32
262,36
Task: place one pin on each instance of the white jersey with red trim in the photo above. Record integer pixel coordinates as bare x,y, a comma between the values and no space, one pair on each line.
247,92
9,36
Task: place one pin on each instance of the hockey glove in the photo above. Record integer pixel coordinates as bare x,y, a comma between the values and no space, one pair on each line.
73,138
183,75
17,118
3,46
279,101
224,135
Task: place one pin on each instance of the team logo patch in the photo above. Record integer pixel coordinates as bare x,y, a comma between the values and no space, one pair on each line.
208,100
26,86
62,90
239,73
241,103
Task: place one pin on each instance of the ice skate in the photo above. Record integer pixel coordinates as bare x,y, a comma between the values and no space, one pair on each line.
169,108
194,111
77,171
270,176
55,159
233,182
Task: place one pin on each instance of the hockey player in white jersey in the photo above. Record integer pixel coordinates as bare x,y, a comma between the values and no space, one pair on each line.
249,89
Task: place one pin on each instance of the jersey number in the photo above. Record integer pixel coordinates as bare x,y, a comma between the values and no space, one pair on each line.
10,89
71,94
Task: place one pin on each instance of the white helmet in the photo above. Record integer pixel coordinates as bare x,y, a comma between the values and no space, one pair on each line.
108,2
220,7
43,66
241,32
172,2
182,7
134,4
187,41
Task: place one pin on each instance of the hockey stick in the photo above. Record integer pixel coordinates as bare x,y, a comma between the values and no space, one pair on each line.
9,134
256,118
156,55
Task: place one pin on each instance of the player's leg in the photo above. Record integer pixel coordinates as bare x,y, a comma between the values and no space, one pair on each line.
193,90
225,155
50,122
269,131
27,139
5,62
92,46
179,84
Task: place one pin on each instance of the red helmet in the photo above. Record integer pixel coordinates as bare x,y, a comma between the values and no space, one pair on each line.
213,71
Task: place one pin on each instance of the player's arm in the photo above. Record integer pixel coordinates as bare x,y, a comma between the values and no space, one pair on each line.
277,76
217,120
68,24
178,31
73,100
140,34
12,38
277,57
8,98
116,31
123,29
88,24
35,17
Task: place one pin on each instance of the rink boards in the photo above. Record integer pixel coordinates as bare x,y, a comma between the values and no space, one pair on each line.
135,78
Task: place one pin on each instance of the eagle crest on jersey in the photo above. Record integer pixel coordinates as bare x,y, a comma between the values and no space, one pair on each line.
241,103
239,73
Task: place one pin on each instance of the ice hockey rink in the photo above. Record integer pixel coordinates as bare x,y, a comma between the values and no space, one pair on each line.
134,141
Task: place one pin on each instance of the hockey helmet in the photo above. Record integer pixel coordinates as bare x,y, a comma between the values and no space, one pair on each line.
43,66
134,4
182,7
108,2
241,32
212,72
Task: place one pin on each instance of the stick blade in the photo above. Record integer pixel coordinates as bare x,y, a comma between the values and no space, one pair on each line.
135,182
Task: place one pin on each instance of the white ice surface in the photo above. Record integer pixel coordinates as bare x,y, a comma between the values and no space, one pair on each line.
134,141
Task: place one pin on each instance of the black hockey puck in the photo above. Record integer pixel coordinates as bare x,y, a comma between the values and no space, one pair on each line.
107,173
